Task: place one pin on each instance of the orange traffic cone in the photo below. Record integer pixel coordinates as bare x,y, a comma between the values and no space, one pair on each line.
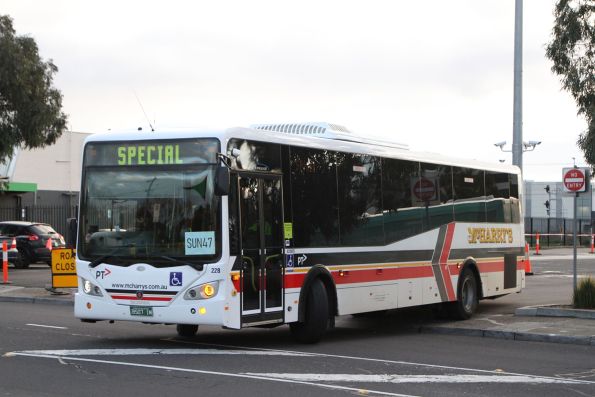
48,244
528,270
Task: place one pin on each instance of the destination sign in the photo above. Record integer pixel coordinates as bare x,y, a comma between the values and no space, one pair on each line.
151,153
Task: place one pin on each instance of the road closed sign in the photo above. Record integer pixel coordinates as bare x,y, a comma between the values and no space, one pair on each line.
575,180
64,268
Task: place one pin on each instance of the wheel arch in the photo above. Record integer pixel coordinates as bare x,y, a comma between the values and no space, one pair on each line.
322,273
471,264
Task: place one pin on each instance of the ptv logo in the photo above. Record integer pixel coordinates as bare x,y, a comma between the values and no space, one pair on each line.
102,273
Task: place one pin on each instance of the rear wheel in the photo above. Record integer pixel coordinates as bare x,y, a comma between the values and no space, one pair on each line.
467,297
317,315
187,330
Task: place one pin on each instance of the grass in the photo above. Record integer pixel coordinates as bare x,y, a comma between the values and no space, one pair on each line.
584,296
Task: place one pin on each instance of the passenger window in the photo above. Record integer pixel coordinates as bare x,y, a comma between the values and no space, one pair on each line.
360,216
314,197
498,203
469,195
401,217
434,194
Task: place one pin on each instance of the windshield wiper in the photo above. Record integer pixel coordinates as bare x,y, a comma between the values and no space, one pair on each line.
96,262
169,258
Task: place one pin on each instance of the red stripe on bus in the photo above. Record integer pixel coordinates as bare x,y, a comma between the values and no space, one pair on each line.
346,276
490,267
144,298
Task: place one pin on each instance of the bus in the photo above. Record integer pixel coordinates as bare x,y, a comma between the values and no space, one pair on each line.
288,224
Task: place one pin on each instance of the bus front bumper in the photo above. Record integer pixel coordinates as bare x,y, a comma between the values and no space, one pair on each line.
207,312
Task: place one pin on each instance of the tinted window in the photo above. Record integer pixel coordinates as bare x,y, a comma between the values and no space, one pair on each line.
42,229
234,219
434,193
514,199
469,195
497,197
360,216
402,218
254,155
314,197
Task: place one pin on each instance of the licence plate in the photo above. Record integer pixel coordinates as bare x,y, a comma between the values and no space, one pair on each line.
141,311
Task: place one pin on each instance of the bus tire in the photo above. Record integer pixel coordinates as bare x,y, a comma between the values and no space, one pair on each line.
316,318
187,330
467,296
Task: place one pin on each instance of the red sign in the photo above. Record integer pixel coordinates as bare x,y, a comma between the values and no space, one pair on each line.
574,180
424,189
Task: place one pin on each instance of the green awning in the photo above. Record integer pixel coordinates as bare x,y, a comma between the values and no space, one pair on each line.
20,187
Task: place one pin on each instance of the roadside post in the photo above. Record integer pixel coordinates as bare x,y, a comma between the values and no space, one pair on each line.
575,181
5,263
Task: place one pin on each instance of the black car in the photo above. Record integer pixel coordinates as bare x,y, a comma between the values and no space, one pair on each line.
33,240
13,255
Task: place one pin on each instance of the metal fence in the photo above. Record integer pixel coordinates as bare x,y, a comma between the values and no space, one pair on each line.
558,231
56,215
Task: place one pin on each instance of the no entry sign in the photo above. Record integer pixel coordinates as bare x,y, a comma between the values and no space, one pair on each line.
424,189
574,180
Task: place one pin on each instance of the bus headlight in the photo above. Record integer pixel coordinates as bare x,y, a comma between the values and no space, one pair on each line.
203,291
91,289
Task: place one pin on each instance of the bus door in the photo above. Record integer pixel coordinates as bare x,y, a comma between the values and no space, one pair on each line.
261,226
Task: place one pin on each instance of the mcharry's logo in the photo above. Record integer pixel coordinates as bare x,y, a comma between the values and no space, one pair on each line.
485,235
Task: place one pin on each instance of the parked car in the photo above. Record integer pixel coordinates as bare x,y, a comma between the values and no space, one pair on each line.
32,240
14,257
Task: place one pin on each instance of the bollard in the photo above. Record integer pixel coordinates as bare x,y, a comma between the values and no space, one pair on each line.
5,263
537,244
592,244
528,269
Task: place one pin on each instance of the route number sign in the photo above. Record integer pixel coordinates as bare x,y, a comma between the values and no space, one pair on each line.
574,180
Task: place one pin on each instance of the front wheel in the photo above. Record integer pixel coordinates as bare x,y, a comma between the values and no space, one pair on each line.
187,330
317,315
467,297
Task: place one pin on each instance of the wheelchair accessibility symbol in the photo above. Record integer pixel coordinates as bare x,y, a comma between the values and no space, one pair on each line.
175,279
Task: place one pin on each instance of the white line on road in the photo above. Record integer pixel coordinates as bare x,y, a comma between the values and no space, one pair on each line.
46,326
379,360
145,352
395,378
233,375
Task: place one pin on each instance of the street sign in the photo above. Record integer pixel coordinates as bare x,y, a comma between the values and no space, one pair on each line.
574,180
64,268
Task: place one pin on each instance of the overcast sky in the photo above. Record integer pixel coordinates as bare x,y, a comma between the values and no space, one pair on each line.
437,75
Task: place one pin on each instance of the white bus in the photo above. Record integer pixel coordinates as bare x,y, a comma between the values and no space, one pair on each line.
288,224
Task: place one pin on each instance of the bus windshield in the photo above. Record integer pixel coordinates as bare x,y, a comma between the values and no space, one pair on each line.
164,216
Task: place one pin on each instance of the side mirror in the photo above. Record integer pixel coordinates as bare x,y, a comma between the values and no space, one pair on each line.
72,230
222,181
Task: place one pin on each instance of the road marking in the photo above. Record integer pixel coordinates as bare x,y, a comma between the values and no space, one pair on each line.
396,378
145,352
232,375
379,360
46,326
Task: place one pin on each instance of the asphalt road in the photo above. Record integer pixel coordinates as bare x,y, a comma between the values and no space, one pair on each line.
45,351
361,357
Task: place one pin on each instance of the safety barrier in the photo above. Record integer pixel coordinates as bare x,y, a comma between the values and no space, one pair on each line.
538,238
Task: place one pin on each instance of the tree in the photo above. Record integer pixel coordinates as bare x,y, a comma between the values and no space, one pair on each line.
30,107
572,50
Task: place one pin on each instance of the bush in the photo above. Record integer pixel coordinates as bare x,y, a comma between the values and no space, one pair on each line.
584,296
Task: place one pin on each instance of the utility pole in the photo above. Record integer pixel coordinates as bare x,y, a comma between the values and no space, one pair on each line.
517,123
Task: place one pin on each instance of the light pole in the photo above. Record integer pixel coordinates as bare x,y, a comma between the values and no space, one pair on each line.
517,119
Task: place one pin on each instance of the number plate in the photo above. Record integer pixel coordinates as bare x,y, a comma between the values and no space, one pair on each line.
141,311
